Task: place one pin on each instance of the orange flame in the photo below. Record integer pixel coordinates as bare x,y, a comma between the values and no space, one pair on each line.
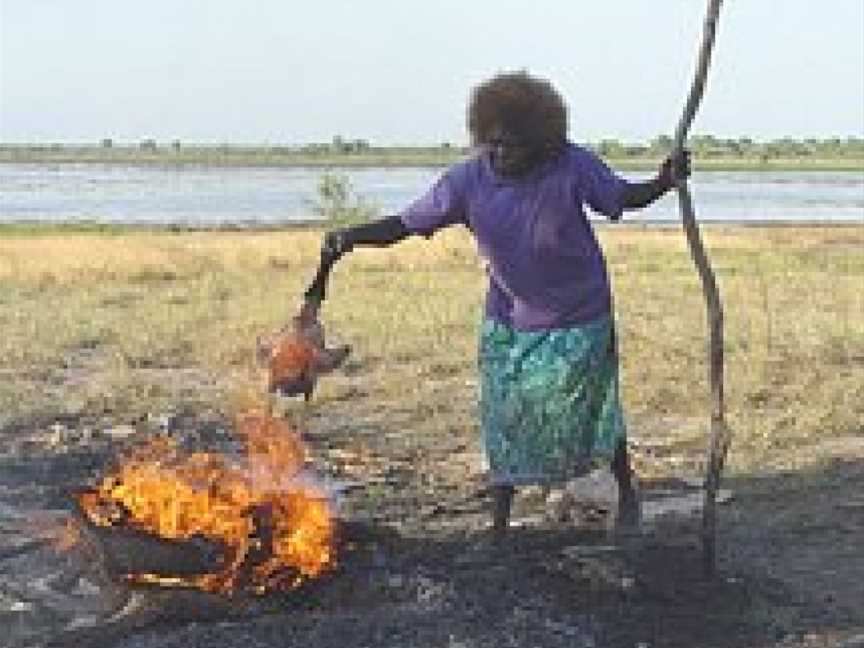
176,495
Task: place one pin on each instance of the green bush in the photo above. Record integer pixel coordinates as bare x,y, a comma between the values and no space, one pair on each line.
338,201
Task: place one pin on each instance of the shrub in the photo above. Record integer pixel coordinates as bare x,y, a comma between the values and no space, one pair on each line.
338,201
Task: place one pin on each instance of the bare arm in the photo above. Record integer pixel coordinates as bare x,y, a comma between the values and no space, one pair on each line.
336,243
641,194
380,233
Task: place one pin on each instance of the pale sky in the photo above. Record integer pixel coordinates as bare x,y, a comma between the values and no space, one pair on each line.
400,71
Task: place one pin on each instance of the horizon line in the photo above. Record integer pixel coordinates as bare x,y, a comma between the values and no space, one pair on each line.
120,142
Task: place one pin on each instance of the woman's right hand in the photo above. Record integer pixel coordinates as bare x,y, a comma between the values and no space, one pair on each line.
335,244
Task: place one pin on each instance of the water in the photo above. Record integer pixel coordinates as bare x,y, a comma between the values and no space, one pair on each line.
210,196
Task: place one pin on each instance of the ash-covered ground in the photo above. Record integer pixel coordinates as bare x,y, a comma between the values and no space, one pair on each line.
418,569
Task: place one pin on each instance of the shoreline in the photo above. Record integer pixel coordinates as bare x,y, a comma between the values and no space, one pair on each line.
390,160
37,228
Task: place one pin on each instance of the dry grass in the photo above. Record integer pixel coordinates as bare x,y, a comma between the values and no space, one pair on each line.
108,327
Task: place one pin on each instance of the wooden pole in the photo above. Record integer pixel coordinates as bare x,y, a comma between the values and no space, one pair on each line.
719,433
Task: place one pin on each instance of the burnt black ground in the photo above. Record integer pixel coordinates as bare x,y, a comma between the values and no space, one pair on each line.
418,568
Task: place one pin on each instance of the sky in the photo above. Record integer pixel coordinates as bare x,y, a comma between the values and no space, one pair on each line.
401,71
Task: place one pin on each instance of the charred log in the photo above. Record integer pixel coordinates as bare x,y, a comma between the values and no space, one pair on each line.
127,550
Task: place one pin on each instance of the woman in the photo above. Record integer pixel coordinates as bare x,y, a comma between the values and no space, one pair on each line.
548,362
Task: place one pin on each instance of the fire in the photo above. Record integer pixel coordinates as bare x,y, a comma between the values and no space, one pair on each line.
276,526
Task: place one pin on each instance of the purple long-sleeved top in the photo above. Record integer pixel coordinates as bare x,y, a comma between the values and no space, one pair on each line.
546,269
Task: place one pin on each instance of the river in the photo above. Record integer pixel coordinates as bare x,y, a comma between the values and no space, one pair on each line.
205,196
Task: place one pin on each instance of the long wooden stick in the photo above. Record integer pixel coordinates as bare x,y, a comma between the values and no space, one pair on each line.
720,435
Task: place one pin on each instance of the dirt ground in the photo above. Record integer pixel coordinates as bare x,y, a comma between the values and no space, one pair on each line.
110,338
417,568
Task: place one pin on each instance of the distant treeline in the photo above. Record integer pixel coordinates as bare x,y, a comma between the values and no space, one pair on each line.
710,150
711,146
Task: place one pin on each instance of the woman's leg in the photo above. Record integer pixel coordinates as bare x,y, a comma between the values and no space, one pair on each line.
628,503
502,501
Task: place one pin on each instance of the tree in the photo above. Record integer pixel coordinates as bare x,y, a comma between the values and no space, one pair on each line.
338,201
609,148
661,144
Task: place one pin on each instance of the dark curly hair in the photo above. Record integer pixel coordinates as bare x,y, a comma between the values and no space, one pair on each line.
520,104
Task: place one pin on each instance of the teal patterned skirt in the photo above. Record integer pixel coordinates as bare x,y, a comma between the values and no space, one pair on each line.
549,403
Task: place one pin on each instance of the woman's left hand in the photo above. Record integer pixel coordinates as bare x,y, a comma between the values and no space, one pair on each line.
676,166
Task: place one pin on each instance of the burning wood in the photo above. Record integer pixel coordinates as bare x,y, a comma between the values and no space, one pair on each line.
196,519
131,551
